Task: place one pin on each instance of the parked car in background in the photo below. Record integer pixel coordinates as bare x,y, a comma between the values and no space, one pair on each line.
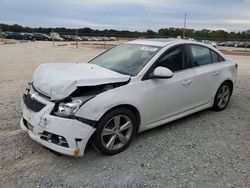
66,37
221,43
87,38
84,38
128,89
74,37
41,36
241,44
27,36
230,43
105,38
210,43
13,35
71,38
247,44
113,39
18,36
2,34
56,37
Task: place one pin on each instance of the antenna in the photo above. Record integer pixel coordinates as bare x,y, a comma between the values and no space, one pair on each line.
184,28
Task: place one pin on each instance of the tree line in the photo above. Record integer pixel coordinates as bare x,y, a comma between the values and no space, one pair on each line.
164,32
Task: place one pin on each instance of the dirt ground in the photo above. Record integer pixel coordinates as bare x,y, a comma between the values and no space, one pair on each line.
207,149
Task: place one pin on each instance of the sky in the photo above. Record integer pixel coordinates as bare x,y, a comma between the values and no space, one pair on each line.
133,15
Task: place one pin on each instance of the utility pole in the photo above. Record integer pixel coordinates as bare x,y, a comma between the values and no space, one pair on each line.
245,43
76,39
184,28
1,34
53,38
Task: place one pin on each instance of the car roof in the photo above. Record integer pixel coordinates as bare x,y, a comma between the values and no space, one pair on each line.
162,42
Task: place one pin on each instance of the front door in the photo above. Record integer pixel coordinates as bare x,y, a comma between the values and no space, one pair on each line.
169,97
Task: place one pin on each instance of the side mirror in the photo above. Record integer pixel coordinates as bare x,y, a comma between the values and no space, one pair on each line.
161,73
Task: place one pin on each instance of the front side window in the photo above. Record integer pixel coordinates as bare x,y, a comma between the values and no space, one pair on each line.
126,59
174,59
201,55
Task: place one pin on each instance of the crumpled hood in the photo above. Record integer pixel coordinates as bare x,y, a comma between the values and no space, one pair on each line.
58,80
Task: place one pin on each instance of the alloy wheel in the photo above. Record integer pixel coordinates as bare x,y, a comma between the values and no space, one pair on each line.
116,132
223,96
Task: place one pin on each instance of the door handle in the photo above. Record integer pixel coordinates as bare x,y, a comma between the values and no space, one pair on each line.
215,73
187,82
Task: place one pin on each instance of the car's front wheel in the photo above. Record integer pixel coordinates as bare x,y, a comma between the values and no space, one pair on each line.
222,97
115,131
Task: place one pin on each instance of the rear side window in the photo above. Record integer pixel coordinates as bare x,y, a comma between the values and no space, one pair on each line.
216,57
201,55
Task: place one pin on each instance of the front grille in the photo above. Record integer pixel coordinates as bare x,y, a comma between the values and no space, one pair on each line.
32,104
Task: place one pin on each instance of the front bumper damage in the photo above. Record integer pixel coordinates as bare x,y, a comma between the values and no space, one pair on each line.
63,135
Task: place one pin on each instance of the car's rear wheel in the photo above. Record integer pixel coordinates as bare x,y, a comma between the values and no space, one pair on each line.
222,97
115,131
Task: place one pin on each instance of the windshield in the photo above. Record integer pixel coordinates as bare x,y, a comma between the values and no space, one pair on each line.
126,59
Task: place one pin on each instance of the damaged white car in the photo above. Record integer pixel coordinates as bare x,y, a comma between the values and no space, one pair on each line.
128,89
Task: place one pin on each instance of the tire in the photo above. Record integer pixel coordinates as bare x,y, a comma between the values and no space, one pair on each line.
222,96
115,131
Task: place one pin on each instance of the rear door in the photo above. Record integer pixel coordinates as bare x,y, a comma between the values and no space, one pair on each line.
207,74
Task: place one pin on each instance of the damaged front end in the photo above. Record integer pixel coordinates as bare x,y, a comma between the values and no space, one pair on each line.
54,123
58,91
69,106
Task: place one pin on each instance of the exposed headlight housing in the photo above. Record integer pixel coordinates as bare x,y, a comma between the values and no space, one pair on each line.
68,109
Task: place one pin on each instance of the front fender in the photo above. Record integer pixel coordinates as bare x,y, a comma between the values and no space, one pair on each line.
95,108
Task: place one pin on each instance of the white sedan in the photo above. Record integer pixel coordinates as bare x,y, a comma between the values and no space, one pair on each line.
128,89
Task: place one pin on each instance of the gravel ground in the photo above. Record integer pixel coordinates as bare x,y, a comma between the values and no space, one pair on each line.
207,149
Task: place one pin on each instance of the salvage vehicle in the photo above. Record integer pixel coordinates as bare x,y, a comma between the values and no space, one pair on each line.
128,89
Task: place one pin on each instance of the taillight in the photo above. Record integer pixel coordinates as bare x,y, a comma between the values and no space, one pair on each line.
236,66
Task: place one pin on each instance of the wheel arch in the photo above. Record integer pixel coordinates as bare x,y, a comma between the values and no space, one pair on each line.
130,107
230,82
215,106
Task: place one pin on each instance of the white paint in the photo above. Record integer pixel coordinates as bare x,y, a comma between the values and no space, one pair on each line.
59,80
158,101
